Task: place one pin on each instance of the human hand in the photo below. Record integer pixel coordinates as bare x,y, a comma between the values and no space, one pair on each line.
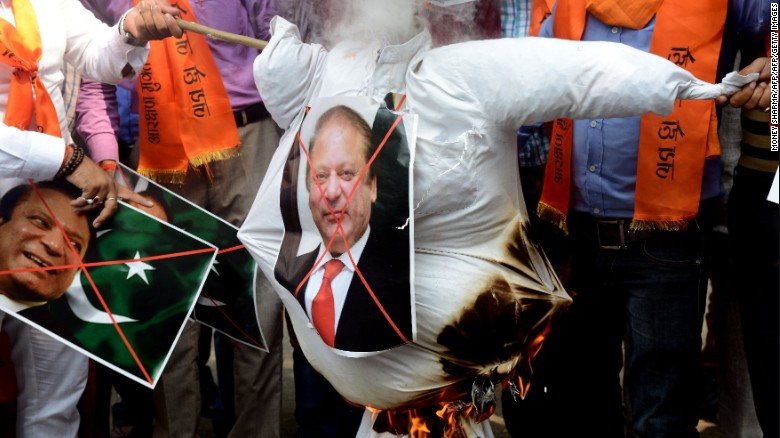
755,95
152,20
99,190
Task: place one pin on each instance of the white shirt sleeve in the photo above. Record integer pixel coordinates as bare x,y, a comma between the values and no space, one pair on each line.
97,50
29,154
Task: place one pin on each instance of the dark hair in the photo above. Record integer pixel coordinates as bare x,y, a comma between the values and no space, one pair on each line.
20,193
157,197
345,113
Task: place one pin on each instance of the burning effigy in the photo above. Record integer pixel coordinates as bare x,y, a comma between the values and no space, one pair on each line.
476,291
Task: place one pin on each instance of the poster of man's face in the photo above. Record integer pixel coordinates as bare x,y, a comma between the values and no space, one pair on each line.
98,291
347,248
30,238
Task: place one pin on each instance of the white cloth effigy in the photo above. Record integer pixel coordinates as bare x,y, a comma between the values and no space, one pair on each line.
484,290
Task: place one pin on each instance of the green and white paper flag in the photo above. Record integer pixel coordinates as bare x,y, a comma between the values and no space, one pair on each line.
147,276
227,301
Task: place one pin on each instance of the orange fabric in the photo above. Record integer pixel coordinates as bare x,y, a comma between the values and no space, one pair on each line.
670,167
554,203
672,148
185,114
540,10
569,20
570,15
323,308
21,50
633,14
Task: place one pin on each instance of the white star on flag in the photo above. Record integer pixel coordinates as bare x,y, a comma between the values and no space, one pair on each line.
214,266
138,268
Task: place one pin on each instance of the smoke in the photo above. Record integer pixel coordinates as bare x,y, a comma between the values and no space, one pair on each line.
454,21
387,21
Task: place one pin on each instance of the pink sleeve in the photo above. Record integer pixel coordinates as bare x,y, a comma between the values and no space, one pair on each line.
97,119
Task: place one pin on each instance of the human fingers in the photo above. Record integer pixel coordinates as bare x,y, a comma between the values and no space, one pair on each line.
166,7
93,181
109,208
159,20
758,99
765,100
153,20
127,195
759,65
742,96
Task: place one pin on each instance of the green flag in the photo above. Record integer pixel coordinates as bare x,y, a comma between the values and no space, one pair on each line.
227,300
128,305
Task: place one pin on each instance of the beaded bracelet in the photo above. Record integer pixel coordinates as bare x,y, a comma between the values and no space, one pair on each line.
75,160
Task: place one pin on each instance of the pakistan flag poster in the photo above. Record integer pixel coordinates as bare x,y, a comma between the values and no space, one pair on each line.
227,300
119,294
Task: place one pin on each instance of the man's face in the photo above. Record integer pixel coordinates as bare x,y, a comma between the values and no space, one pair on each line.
31,239
338,158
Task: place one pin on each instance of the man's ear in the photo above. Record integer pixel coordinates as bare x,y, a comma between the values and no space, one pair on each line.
373,189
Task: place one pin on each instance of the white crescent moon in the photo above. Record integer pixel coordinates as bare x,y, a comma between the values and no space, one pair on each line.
84,310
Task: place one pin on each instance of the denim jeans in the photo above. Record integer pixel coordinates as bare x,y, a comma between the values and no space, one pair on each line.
651,296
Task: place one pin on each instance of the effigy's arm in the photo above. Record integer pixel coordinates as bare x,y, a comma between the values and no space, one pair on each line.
524,81
286,71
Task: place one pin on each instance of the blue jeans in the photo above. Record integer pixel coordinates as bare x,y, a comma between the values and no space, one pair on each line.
650,295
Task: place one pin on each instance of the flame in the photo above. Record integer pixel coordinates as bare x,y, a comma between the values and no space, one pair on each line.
449,413
418,428
445,419
524,385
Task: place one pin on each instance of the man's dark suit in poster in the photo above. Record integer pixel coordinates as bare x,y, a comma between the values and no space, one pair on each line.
345,194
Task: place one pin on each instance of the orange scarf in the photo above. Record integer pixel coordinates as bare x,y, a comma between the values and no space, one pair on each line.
540,10
21,50
673,148
185,117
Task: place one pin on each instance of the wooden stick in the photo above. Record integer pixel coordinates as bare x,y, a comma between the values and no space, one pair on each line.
221,35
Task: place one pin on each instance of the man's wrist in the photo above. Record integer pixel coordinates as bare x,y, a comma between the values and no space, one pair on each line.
129,39
74,155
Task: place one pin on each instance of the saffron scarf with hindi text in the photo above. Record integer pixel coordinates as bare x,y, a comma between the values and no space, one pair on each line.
185,116
672,148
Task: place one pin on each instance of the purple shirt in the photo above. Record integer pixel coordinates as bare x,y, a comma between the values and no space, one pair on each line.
234,61
244,17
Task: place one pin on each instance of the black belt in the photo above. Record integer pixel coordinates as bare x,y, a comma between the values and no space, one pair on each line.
606,233
251,114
